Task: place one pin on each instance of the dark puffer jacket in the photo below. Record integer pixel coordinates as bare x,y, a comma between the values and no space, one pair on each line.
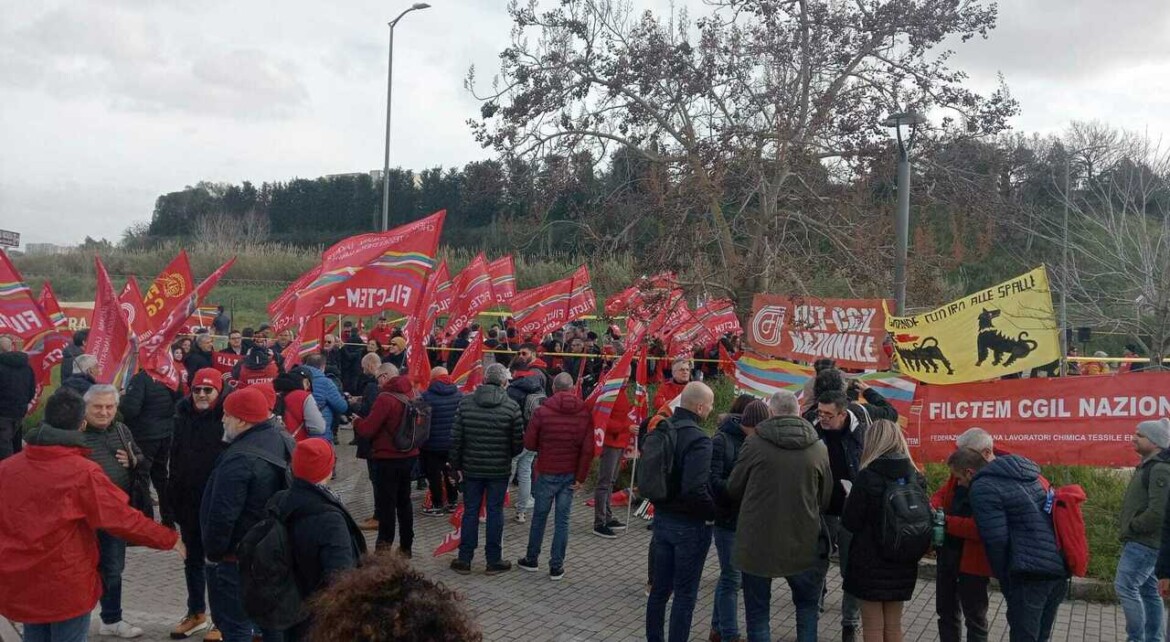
444,398
197,444
561,433
240,486
725,447
18,384
523,387
487,433
148,409
1008,498
869,575
325,539
80,383
692,465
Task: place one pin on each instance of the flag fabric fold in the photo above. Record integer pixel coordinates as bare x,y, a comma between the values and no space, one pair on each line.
19,313
542,309
469,369
472,295
111,341
51,306
503,272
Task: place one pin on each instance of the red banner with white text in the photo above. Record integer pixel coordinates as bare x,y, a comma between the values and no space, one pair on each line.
1079,421
849,331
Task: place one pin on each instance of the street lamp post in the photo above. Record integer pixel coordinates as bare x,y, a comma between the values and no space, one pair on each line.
1064,271
389,87
902,216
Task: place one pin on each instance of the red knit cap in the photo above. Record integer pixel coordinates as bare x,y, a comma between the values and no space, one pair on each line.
269,392
313,460
247,405
208,377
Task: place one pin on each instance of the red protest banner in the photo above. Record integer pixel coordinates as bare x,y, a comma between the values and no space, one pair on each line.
849,331
540,310
472,295
1081,421
77,315
503,271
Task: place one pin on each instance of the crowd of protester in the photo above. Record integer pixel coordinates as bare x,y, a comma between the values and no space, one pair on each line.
241,456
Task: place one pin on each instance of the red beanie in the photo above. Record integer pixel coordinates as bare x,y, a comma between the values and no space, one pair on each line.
208,377
247,405
269,392
313,460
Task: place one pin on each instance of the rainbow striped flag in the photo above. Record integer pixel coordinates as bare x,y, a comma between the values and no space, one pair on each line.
761,377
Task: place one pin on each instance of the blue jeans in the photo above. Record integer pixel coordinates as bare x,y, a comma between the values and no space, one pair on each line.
806,596
549,488
227,606
111,563
1137,590
75,630
723,617
473,496
680,549
522,469
1031,608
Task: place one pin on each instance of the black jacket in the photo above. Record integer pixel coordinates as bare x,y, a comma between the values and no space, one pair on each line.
196,360
487,433
852,439
725,447
869,575
458,347
148,408
241,485
325,539
67,354
18,384
444,398
195,447
80,383
692,463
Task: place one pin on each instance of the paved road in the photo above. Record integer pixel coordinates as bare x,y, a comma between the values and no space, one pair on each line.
601,597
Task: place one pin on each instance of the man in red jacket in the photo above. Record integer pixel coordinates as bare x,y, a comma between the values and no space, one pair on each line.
561,435
55,500
680,376
390,467
618,432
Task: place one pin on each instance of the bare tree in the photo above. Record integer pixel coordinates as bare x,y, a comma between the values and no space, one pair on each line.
223,230
757,113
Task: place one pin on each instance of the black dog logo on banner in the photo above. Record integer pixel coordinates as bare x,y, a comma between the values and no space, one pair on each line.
923,356
991,340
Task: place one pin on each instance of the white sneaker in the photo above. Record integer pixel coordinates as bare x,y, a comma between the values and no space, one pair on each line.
521,517
121,629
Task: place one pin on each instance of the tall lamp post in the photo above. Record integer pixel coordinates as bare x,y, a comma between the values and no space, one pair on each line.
389,87
1064,271
902,217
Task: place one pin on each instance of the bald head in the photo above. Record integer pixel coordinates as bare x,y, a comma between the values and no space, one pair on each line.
439,371
698,398
7,344
562,382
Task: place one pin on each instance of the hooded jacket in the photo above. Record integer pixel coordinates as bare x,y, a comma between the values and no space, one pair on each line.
55,501
78,382
444,398
384,419
868,574
1008,498
487,433
195,447
782,483
18,384
148,408
725,446
1144,505
329,399
561,433
522,388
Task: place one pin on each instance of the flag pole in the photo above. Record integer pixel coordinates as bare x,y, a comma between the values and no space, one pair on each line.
630,490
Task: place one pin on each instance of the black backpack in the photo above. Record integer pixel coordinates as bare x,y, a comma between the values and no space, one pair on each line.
415,428
656,474
907,522
268,584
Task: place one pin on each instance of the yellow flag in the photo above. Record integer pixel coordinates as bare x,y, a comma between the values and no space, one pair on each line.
1001,330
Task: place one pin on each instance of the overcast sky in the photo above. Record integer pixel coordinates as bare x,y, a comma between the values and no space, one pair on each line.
106,105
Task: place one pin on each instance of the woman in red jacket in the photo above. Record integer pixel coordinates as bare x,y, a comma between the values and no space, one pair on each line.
963,570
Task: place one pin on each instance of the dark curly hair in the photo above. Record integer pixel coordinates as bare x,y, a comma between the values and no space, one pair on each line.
386,599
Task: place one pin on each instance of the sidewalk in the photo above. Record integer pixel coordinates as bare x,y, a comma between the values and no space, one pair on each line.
600,598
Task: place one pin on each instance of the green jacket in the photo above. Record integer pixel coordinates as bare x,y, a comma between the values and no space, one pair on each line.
487,433
1145,502
783,483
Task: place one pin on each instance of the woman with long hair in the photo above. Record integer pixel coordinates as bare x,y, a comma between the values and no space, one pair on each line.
882,579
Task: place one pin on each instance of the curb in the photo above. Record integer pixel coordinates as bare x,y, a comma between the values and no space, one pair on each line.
1082,588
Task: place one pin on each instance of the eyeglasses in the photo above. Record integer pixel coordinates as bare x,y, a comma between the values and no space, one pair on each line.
827,415
235,338
203,390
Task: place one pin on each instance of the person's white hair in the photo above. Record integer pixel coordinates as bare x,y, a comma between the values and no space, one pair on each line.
783,403
438,371
496,374
388,368
101,390
83,362
371,360
562,382
975,439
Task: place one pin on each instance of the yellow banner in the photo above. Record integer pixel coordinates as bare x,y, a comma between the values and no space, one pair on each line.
1002,330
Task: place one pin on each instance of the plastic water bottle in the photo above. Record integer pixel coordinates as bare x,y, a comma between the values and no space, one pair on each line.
939,534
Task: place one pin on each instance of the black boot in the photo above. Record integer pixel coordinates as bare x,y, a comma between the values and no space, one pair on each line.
849,634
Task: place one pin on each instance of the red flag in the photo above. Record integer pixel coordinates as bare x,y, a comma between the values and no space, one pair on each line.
154,352
620,302
611,386
451,540
133,308
718,316
19,313
503,271
281,309
726,363
110,339
445,290
51,307
542,309
420,326
469,369
641,381
170,288
366,274
473,294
